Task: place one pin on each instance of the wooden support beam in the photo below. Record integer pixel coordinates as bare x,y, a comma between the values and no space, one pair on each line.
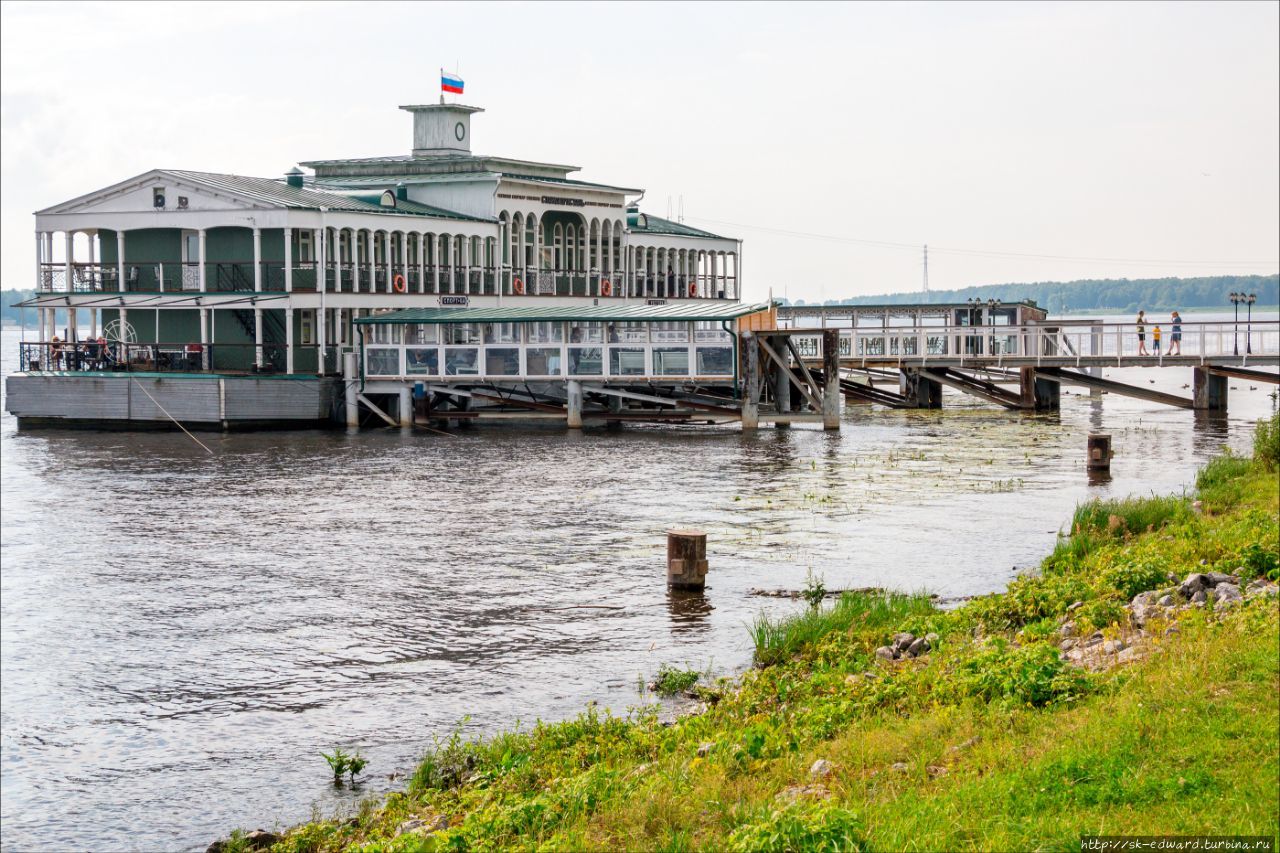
804,368
658,400
373,407
984,390
1061,374
1242,373
782,365
873,395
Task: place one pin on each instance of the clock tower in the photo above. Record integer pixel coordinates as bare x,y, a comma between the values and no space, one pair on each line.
441,129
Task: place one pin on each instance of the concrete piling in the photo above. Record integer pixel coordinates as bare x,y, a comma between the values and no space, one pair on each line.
686,559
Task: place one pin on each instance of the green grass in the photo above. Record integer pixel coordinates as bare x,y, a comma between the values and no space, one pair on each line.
854,613
989,742
671,680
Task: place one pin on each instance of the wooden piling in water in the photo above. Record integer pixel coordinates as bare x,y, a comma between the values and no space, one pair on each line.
1099,451
686,559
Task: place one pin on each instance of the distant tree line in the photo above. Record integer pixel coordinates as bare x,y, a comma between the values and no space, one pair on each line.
1100,294
9,314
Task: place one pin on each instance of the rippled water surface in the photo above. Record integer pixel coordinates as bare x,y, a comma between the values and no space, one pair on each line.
184,632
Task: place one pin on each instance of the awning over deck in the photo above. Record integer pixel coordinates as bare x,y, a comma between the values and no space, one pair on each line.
681,311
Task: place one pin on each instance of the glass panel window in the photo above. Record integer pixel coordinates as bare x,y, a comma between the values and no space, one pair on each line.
501,361
422,360
586,361
462,362
715,361
628,333
588,332
382,362
543,361
462,333
707,331
626,361
671,361
502,333
544,333
384,334
422,333
671,331
307,326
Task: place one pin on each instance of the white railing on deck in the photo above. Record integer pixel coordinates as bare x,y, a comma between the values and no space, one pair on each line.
1214,339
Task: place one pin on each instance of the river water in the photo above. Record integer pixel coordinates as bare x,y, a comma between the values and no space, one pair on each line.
183,633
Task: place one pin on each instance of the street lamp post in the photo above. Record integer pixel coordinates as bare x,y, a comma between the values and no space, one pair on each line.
974,342
992,305
1248,323
1236,299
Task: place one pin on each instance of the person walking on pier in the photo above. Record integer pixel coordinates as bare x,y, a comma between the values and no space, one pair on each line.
1175,339
1142,333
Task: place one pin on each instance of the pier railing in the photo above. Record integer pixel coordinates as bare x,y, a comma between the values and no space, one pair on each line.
1067,340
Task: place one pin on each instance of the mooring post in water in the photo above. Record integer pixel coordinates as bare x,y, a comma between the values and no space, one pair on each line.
831,395
406,407
574,404
750,383
1099,451
1208,390
350,381
686,559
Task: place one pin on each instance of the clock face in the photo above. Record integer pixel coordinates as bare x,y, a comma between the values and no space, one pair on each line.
459,131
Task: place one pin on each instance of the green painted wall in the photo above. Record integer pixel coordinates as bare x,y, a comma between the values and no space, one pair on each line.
165,244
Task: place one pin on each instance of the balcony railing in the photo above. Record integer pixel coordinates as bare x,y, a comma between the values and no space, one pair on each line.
346,277
188,357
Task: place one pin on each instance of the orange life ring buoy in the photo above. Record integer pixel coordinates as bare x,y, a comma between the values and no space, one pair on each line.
398,283
518,286
693,288
606,288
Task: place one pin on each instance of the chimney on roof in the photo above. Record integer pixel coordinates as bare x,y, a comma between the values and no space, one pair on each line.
402,192
293,177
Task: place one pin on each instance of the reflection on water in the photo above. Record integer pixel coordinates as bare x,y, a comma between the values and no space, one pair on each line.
183,633
689,611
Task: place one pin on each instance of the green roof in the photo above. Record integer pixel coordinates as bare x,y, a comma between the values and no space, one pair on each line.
277,192
649,224
632,312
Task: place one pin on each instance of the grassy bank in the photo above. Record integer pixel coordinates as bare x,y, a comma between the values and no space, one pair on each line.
989,738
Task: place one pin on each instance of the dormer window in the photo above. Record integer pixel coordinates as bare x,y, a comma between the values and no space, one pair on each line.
388,199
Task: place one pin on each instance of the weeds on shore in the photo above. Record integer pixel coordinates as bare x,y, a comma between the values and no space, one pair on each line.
777,640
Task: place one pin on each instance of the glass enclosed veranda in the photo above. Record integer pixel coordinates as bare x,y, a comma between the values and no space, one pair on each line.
547,347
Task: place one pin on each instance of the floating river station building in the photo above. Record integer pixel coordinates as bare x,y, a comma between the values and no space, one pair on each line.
229,300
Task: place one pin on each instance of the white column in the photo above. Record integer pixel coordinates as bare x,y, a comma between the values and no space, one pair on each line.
257,260
599,255
288,263
466,263
711,271
200,270
120,260
322,254
435,273
422,262
288,340
368,253
404,258
537,247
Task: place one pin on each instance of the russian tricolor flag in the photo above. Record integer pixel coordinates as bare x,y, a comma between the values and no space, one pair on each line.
450,82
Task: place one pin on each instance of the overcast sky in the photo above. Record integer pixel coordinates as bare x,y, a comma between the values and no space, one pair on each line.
1022,141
